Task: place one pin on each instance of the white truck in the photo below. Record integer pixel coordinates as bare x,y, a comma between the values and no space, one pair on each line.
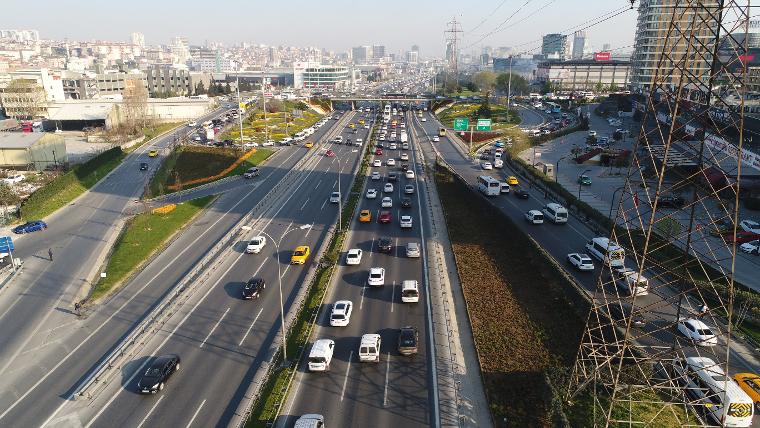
404,137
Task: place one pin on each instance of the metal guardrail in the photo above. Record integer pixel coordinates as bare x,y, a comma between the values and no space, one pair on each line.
180,293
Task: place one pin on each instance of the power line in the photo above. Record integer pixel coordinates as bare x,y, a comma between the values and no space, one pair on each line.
499,26
486,18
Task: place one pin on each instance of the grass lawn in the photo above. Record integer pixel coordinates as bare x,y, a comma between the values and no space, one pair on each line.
499,115
66,187
144,234
275,125
258,157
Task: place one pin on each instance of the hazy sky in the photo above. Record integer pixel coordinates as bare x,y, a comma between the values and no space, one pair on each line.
331,24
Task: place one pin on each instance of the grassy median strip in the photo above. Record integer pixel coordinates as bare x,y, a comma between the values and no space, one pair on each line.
66,187
274,391
143,235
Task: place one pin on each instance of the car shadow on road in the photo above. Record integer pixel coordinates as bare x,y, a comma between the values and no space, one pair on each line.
129,369
233,289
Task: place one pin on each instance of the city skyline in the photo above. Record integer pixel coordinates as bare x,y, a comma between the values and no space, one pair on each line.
494,24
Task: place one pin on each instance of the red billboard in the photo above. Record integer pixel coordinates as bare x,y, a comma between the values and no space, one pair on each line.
602,56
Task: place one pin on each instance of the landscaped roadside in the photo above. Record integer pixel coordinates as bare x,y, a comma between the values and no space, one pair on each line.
280,123
144,234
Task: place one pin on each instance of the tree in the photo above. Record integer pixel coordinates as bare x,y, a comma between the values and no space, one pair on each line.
484,111
227,88
471,86
519,84
668,228
599,87
200,88
485,80
135,104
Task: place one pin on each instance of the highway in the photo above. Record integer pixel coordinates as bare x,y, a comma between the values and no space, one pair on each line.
560,240
62,349
398,390
221,337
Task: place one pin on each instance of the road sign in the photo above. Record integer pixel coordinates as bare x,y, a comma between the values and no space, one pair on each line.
484,125
461,123
6,244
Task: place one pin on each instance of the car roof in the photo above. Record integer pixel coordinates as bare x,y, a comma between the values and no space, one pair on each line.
369,339
696,323
376,270
409,283
302,247
354,251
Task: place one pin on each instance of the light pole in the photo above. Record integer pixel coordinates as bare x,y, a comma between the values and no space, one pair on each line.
279,278
612,204
240,116
556,169
509,84
581,184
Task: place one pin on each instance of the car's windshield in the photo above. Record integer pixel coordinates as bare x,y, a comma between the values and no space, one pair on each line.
299,253
153,372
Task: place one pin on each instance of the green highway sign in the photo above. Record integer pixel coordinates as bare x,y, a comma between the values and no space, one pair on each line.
484,125
461,123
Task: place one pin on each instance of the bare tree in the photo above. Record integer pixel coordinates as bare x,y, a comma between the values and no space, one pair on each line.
8,197
24,99
135,105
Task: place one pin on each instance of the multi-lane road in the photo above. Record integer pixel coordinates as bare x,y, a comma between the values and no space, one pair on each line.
398,390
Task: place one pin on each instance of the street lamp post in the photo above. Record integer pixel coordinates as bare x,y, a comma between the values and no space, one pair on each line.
556,169
612,204
581,184
279,279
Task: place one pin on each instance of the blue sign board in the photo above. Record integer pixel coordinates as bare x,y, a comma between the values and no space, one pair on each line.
6,244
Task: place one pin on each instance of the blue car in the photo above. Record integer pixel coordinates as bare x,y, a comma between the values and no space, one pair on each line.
31,226
499,144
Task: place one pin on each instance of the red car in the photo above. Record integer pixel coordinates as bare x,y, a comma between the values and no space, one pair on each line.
741,237
385,217
379,152
330,154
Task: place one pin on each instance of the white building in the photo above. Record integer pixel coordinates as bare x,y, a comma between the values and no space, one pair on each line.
309,75
138,39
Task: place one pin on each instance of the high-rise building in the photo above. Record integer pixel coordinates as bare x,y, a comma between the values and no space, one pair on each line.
378,51
360,54
412,57
273,59
554,46
180,50
579,44
138,39
22,36
652,39
415,48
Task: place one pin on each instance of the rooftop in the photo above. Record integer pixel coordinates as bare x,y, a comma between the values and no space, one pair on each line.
19,140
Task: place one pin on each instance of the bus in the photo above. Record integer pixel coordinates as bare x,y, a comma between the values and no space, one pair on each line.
442,132
489,186
387,113
534,96
554,107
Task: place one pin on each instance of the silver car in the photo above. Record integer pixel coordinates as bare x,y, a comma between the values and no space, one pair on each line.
412,249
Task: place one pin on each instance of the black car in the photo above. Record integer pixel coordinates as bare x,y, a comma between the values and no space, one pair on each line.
406,203
407,340
671,201
485,156
159,371
521,193
253,288
385,245
143,166
404,167
379,145
392,176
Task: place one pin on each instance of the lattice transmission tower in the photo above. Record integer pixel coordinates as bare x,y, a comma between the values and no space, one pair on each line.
676,222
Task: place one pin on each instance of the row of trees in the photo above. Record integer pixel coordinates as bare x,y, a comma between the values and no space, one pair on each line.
487,81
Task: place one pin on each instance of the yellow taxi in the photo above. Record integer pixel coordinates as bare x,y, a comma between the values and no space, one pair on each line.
351,125
365,216
361,121
309,144
512,180
300,255
750,383
153,153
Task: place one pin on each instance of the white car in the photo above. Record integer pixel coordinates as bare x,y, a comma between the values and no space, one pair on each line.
436,139
581,261
334,197
354,257
371,193
393,146
391,162
375,175
750,226
255,245
388,188
377,162
376,277
409,174
486,165
404,156
341,313
406,221
424,119
13,179
359,141
750,247
269,143
387,202
405,146
534,217
697,331
409,189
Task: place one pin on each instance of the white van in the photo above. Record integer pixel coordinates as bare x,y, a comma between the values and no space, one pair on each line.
410,291
555,212
369,348
321,354
311,420
504,188
630,281
705,381
606,251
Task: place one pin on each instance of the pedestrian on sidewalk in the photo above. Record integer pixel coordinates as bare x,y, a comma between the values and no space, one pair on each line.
50,254
78,308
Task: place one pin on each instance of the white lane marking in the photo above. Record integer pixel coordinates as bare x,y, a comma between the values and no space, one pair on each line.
393,294
387,371
304,204
251,327
323,204
345,380
214,328
361,302
318,183
147,415
36,348
195,415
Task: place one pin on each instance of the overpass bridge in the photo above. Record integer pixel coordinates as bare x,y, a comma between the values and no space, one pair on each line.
353,100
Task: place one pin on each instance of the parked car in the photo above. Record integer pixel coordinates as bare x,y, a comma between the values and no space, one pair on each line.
750,226
253,288
158,373
408,337
670,201
740,237
581,261
251,172
30,226
751,247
